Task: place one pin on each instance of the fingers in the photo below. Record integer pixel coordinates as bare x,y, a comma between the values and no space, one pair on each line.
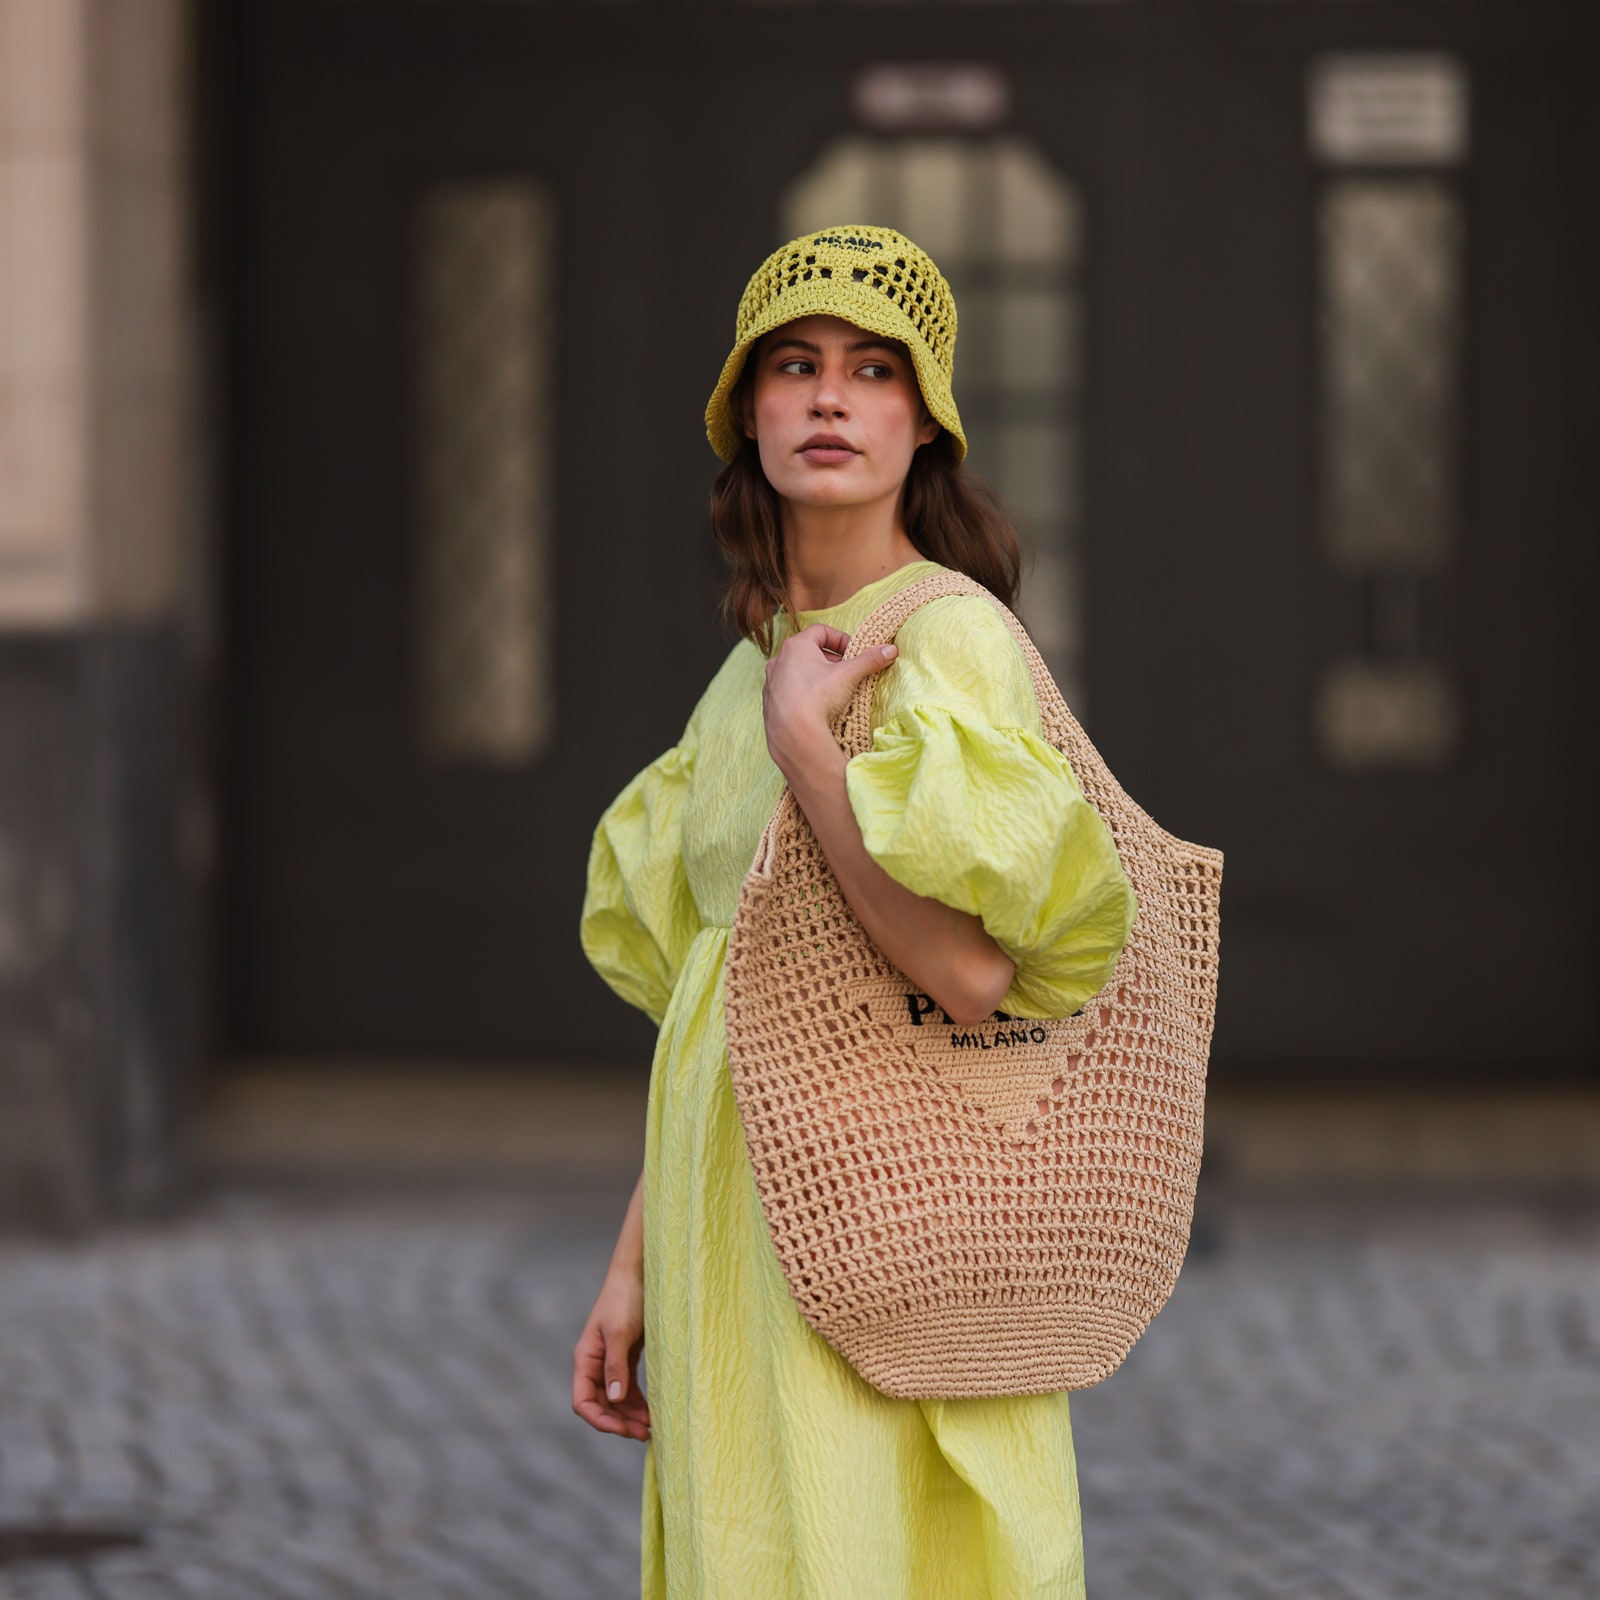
623,1393
628,1422
593,1375
825,637
870,661
835,643
587,1360
626,1425
618,1378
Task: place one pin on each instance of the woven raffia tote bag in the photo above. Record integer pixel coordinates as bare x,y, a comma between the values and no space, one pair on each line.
982,1210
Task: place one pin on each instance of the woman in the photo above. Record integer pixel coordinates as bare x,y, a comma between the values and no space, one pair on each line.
773,1471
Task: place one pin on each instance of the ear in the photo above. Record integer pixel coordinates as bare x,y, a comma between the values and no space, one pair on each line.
747,411
931,428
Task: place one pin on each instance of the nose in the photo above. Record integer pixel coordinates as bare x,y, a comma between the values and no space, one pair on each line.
827,399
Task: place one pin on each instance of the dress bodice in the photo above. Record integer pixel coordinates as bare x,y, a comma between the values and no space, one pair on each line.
736,784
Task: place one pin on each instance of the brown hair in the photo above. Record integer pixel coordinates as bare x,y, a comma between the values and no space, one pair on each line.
951,515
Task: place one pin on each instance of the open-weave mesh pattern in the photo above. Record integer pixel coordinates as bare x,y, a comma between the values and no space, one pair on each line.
874,277
877,260
972,1211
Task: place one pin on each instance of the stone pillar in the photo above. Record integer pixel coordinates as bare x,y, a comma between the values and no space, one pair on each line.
98,648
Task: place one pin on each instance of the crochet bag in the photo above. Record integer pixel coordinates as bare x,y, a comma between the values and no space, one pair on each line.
985,1210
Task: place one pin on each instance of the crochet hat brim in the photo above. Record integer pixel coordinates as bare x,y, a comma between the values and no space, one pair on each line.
832,298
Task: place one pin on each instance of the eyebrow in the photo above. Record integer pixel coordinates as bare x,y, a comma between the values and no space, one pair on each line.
816,349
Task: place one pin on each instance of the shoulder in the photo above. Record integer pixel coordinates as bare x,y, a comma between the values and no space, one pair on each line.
958,652
729,687
958,628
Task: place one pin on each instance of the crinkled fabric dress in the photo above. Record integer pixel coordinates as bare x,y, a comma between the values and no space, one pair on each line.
775,1472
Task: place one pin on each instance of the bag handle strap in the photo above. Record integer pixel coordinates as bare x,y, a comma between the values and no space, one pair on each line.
853,726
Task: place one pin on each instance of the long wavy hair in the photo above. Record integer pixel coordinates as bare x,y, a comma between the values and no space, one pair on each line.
951,515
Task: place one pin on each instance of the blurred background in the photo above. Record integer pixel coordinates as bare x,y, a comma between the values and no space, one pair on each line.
353,554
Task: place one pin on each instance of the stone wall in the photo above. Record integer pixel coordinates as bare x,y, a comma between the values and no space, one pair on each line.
100,809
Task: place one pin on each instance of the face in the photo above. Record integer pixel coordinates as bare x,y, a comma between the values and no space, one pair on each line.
835,412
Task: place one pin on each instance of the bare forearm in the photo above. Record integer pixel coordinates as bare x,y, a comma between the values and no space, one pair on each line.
605,1360
628,1256
944,951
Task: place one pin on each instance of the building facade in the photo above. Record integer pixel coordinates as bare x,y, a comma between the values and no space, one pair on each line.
354,541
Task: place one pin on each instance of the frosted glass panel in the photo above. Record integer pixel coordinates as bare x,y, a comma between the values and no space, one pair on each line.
482,351
841,186
1390,309
1390,335
933,178
1037,214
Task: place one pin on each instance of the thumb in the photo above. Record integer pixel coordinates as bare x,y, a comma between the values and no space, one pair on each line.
870,661
616,1369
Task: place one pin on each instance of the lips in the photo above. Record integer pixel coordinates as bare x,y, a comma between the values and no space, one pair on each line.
828,449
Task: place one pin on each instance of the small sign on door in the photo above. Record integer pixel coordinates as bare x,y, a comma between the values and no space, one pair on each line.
931,96
1387,110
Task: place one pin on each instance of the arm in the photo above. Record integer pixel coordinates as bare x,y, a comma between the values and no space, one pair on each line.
945,951
605,1363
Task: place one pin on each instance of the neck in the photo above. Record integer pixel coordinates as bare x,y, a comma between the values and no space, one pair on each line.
831,551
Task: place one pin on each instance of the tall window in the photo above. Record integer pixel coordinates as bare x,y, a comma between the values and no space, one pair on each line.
1006,229
482,342
1389,253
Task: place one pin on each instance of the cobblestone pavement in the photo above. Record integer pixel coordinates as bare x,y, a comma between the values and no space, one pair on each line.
363,1395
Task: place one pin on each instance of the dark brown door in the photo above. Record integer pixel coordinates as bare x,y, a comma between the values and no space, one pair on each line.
385,898
1298,583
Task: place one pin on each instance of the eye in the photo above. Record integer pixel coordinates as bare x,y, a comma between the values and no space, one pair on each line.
878,370
798,364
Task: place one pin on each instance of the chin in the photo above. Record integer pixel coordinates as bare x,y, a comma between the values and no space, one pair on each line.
824,486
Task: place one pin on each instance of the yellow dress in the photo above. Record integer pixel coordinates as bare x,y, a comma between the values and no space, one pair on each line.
775,1472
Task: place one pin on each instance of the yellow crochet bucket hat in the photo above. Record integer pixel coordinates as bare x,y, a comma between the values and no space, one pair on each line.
874,277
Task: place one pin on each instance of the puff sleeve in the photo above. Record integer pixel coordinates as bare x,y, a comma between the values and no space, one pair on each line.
639,916
961,799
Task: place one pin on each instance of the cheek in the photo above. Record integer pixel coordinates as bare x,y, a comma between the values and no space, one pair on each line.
771,398
766,412
896,419
773,427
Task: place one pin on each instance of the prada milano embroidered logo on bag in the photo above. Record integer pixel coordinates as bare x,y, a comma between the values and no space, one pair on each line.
995,1032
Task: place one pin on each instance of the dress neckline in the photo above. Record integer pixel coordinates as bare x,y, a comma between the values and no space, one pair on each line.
889,583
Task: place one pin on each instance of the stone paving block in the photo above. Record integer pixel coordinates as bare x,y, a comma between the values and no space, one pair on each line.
365,1396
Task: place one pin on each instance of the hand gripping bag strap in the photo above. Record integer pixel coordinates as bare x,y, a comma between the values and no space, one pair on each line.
972,1211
